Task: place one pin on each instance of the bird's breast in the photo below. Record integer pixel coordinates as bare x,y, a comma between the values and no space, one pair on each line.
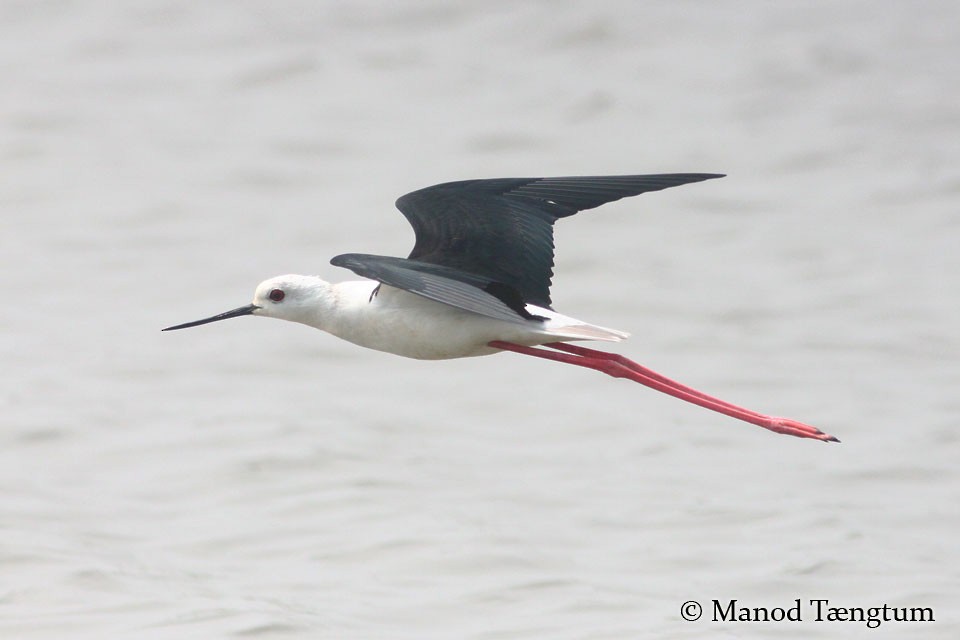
405,324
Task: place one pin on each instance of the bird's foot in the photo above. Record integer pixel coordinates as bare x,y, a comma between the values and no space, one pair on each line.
790,427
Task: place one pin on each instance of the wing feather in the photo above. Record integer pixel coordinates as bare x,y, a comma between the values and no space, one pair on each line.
442,284
502,229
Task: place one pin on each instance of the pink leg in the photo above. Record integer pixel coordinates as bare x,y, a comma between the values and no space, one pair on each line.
620,367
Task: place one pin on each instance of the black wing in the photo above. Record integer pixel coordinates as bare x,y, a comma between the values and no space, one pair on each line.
502,229
450,286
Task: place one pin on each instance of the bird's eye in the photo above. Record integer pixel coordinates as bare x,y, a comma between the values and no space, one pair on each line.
277,295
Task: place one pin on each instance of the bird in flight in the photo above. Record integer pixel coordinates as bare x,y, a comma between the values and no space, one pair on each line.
478,282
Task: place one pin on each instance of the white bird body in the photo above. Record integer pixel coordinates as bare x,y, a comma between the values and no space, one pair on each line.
396,321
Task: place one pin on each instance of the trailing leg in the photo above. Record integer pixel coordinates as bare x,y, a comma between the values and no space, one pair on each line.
621,367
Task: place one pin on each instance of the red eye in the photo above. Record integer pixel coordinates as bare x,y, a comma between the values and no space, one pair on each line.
277,295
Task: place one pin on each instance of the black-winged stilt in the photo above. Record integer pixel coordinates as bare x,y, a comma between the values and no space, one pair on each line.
478,282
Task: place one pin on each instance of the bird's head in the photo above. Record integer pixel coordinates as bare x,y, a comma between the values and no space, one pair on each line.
290,297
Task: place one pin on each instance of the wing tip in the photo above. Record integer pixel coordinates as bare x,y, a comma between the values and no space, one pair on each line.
695,177
345,260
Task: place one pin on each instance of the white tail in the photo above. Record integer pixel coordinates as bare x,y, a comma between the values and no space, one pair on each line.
588,332
563,326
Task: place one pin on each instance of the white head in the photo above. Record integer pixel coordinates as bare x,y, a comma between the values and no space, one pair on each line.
291,297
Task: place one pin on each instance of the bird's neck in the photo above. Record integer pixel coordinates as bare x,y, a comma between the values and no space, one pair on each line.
343,309
334,307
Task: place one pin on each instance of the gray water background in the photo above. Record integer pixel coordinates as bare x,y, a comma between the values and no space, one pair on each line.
258,479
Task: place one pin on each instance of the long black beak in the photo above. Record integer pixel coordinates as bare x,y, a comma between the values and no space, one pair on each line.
233,313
